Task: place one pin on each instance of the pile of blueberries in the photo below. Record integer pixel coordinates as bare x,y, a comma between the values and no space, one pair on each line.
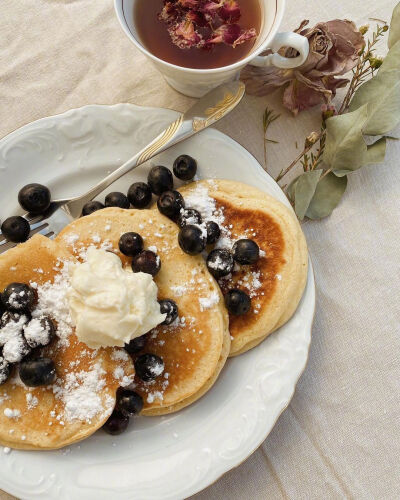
148,366
36,198
17,302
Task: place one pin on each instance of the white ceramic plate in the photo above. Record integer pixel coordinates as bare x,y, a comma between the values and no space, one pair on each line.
158,457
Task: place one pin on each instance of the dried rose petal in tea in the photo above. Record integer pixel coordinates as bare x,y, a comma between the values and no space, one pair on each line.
198,33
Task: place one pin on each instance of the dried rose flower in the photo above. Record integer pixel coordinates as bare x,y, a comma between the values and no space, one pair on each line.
334,50
204,23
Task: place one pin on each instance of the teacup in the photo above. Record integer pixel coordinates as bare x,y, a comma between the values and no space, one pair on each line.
197,82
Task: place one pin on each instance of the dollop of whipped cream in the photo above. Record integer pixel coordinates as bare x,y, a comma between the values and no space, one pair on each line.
111,306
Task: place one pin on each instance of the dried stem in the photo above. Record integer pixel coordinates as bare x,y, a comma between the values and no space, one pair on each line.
268,118
363,67
296,160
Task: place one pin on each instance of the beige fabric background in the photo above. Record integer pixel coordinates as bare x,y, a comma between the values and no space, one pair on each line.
340,437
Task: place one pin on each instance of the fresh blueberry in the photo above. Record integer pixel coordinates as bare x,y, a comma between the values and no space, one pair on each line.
220,263
192,239
37,372
130,244
146,262
15,317
129,403
91,206
170,204
16,348
34,198
168,307
160,179
148,367
18,297
185,167
116,424
139,194
39,332
213,232
16,229
136,345
117,199
246,252
189,216
237,302
5,370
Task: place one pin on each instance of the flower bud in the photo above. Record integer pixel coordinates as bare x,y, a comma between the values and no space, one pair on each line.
311,139
375,62
363,29
328,112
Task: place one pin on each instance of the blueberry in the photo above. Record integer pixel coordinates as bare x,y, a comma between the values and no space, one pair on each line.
117,199
220,263
192,239
16,348
170,204
237,302
16,229
5,370
148,367
160,179
185,167
18,297
136,345
129,403
168,307
34,198
246,252
37,372
189,216
213,232
130,244
8,316
146,262
139,195
116,424
39,332
91,206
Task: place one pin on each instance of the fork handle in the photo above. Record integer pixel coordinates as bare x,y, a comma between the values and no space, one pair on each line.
176,132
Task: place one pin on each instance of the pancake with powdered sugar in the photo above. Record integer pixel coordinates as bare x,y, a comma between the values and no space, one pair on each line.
275,283
83,394
194,348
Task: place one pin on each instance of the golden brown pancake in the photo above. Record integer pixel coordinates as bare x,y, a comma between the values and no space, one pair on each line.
195,348
276,281
83,396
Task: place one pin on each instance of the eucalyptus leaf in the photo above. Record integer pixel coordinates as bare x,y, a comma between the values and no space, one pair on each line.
290,189
376,152
382,94
304,190
328,194
392,59
394,34
345,147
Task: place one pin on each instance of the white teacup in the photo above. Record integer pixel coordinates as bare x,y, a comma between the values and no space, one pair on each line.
197,82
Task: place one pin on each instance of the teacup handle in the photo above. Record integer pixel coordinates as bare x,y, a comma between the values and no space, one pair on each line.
289,39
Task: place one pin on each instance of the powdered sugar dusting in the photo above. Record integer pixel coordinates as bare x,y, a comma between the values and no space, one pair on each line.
208,302
53,302
81,395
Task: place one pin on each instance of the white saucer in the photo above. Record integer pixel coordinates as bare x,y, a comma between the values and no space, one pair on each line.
158,457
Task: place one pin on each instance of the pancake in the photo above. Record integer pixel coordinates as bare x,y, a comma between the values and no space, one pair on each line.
83,395
277,280
195,347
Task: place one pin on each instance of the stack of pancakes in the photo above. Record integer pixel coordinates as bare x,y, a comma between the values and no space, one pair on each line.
195,347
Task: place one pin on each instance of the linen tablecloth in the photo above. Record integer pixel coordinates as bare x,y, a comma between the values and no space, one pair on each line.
340,436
